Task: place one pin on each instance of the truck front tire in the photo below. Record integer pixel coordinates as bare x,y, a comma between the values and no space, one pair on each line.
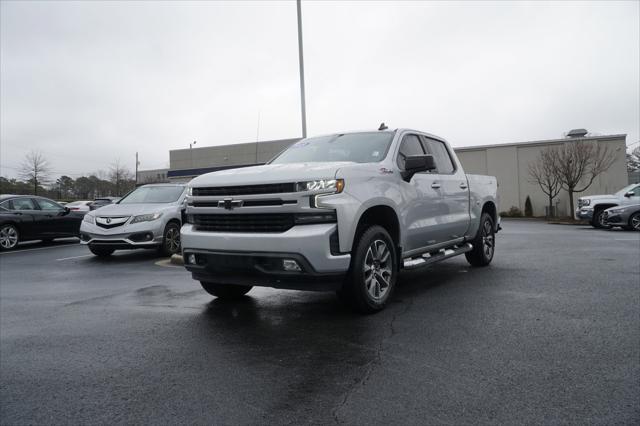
484,244
225,291
598,219
373,272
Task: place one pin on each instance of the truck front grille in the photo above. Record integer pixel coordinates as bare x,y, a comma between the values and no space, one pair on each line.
276,222
272,188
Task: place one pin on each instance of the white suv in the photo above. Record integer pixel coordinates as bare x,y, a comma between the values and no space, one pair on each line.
148,217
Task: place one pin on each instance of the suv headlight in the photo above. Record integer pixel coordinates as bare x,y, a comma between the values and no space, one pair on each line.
146,217
88,218
328,185
189,191
586,202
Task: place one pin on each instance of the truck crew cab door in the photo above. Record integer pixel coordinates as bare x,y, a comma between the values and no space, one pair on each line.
454,190
423,202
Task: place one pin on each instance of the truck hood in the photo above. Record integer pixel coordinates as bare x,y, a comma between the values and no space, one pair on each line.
269,173
131,209
598,197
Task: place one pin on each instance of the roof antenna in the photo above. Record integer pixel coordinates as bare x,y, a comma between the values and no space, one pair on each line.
382,126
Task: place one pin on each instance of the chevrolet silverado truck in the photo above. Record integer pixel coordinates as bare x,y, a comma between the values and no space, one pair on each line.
592,207
342,212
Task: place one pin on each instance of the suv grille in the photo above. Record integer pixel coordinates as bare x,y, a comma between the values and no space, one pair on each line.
273,188
276,222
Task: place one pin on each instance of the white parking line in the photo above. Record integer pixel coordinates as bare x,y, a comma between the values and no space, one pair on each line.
74,257
34,249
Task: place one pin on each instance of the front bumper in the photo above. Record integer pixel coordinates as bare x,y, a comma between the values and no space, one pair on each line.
256,258
615,219
584,213
139,235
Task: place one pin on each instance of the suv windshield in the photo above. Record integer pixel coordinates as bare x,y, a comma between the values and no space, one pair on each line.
626,189
153,194
366,147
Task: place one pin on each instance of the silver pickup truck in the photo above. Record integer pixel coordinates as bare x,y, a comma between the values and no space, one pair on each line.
342,212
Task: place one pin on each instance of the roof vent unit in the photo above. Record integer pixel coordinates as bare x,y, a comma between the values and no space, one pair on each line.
577,133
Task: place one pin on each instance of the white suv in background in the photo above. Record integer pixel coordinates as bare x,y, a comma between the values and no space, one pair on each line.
148,217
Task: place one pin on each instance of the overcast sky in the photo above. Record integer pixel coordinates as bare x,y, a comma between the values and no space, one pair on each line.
88,83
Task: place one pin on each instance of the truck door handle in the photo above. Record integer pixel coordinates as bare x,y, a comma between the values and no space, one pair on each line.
435,185
463,185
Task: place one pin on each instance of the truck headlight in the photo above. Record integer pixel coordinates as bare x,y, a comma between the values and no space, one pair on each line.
586,202
328,185
189,191
88,218
146,217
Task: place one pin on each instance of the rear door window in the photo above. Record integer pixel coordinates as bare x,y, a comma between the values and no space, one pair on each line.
23,204
441,156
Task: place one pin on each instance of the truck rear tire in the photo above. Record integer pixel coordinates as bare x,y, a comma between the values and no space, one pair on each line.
225,291
484,243
373,272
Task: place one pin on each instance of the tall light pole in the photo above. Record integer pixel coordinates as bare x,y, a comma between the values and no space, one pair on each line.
191,152
301,62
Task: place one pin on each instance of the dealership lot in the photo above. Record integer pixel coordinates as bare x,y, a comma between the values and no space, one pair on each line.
549,333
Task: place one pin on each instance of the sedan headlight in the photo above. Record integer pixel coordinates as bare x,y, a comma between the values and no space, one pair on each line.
88,218
615,211
328,185
146,217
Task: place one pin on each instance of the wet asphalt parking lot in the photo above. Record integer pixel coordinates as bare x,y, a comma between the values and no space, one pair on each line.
548,334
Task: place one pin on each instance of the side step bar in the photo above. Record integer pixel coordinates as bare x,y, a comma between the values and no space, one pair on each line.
429,258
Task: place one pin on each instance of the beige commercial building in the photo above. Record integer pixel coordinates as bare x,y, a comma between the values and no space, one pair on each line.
509,162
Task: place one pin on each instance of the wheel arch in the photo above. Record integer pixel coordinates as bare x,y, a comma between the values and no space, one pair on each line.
490,207
381,215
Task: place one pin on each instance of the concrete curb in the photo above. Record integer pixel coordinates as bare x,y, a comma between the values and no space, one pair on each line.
177,259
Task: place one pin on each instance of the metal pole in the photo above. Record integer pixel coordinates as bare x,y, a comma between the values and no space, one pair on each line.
137,169
301,62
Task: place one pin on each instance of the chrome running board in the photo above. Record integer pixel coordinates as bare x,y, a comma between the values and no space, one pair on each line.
429,258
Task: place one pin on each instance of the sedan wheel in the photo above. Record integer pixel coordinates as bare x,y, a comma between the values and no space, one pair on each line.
171,240
8,237
635,222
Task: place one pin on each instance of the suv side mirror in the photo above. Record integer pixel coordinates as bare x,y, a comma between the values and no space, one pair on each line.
630,194
417,163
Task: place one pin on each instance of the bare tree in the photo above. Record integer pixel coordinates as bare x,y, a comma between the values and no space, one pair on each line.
633,160
580,162
542,172
120,176
35,170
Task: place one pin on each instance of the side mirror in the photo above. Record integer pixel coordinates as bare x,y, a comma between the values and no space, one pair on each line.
417,163
629,194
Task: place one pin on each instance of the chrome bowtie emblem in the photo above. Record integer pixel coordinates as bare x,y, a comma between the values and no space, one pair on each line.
230,203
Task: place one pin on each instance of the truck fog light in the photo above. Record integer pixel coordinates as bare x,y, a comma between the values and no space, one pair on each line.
191,259
291,265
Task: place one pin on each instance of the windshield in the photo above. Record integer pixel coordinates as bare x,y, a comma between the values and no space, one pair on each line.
367,147
153,194
626,189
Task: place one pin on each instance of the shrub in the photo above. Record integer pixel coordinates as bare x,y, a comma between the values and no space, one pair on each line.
528,208
513,212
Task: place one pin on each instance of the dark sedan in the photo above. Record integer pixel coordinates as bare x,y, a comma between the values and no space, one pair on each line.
26,217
